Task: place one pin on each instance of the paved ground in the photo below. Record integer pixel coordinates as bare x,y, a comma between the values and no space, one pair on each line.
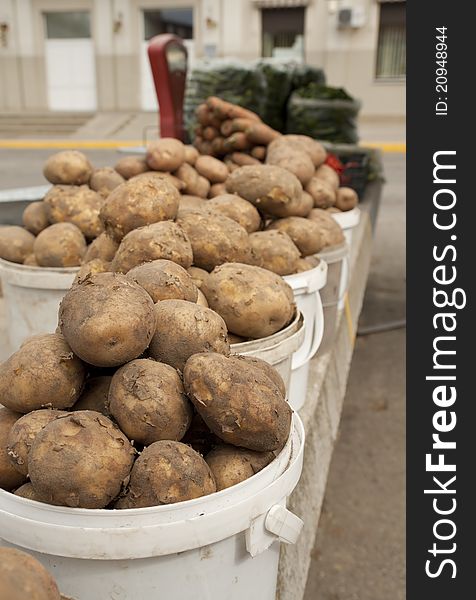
359,552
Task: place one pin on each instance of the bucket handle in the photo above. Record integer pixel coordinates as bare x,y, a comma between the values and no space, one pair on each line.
278,523
318,332
284,524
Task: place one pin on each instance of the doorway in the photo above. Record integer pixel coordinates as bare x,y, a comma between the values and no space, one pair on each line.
70,65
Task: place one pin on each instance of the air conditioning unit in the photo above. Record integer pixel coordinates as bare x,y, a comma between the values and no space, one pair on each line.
351,17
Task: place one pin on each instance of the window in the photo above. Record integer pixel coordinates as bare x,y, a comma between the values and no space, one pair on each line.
178,21
283,32
391,49
67,25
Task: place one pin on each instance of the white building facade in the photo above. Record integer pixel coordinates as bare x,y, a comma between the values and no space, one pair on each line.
87,55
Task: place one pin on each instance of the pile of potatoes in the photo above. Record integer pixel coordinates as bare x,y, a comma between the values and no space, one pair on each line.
265,202
136,400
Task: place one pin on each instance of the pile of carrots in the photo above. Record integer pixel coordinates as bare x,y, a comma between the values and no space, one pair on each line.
228,129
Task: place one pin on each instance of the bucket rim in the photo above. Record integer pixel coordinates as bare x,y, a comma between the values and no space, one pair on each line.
308,282
100,534
297,429
8,265
271,340
348,219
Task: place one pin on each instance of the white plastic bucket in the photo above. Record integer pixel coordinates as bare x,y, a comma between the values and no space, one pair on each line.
276,349
306,287
334,291
32,297
348,220
214,547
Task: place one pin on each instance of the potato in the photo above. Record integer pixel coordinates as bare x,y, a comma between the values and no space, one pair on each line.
330,231
238,209
60,245
23,434
189,176
201,300
215,239
164,240
165,154
347,198
294,160
253,302
268,370
301,206
313,148
191,154
304,233
104,180
103,247
333,209
75,204
95,395
68,167
328,174
184,329
158,175
80,460
303,265
271,189
217,189
26,491
35,217
201,188
188,202
275,251
108,319
137,203
230,465
199,436
212,169
16,243
148,401
30,261
238,401
129,166
323,194
43,373
198,275
91,268
167,472
22,577
164,280
10,477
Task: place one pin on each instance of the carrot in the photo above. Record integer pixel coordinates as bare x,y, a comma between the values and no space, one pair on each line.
242,159
258,152
210,133
237,141
217,145
205,148
227,110
238,112
261,134
202,114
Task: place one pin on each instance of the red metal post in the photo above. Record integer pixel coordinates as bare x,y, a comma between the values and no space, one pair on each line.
168,61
